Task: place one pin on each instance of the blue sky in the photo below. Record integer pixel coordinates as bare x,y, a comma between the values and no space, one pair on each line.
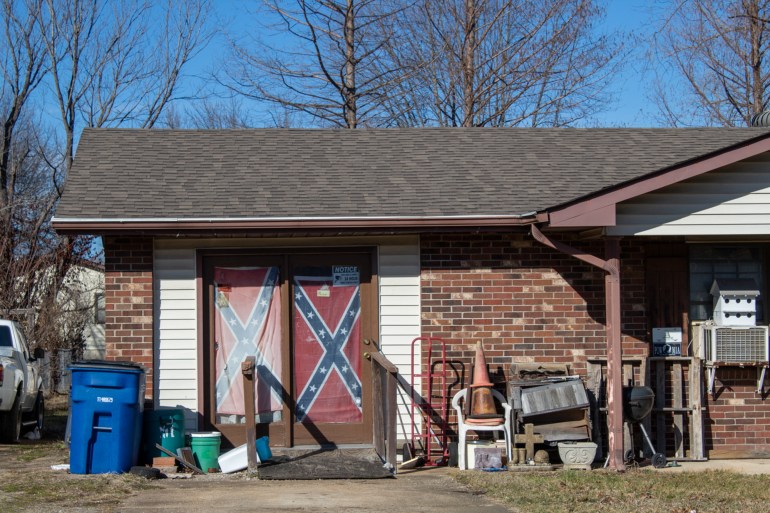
632,106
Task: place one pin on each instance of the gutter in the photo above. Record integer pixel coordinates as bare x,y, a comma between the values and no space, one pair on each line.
86,225
611,266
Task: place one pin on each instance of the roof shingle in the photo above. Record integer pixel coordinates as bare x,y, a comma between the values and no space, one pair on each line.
288,173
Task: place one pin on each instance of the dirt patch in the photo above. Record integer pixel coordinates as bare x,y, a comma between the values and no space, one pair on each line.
29,485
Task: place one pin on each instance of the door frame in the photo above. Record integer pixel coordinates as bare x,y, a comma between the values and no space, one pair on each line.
370,310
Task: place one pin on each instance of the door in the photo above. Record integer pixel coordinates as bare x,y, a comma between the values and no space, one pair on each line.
667,283
245,305
331,317
304,316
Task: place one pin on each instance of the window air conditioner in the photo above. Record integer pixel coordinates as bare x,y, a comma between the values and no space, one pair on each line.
734,344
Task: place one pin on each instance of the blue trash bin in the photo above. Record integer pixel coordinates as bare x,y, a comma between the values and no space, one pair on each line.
106,416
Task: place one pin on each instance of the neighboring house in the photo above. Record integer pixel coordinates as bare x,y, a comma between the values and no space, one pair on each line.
84,286
511,237
81,309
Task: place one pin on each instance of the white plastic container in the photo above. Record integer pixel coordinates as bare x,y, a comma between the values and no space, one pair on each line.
235,460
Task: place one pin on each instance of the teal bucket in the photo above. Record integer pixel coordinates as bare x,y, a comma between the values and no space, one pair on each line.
165,427
263,449
205,449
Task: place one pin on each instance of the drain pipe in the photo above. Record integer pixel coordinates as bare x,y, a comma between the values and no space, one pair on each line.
611,266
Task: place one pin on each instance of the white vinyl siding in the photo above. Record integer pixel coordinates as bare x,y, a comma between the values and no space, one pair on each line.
734,200
176,309
400,315
176,331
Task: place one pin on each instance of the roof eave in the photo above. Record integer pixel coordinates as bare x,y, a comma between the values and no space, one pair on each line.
598,209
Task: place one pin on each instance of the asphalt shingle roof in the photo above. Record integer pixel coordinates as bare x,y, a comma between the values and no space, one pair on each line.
287,173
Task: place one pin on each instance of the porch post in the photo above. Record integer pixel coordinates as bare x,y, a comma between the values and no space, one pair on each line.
613,331
614,356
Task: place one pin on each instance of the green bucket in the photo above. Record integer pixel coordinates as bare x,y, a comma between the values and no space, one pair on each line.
164,426
205,449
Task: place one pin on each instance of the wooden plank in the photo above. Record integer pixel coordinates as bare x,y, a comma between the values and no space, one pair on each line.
248,368
696,417
390,408
644,378
628,439
678,417
378,415
660,402
181,460
628,374
595,385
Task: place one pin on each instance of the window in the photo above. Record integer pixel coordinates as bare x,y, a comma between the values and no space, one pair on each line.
5,337
99,308
710,262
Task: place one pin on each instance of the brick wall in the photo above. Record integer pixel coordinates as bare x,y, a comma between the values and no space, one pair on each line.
525,302
129,301
528,303
737,422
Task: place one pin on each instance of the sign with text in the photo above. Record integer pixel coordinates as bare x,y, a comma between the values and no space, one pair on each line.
666,341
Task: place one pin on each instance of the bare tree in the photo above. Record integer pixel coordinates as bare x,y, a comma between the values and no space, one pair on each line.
501,63
213,114
27,185
712,62
110,66
325,68
23,67
96,63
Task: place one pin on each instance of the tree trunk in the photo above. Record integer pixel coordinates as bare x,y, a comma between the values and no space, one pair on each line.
469,65
351,114
758,89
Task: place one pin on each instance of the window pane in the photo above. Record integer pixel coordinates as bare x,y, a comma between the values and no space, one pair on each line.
729,262
5,337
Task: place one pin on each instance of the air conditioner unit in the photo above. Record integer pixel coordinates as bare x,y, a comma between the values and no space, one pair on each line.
734,344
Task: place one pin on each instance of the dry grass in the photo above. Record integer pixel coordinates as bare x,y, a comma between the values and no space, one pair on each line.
45,490
28,485
638,491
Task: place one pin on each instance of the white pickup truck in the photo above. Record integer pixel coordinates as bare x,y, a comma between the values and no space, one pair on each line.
21,388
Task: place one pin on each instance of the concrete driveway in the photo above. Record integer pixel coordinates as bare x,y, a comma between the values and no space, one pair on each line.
420,491
423,491
759,466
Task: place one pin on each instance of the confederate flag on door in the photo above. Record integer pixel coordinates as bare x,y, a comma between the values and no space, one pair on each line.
327,352
247,322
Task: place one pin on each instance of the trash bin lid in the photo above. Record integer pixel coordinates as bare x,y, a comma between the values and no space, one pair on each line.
106,365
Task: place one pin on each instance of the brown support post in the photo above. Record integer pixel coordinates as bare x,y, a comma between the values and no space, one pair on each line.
613,329
391,406
614,355
248,367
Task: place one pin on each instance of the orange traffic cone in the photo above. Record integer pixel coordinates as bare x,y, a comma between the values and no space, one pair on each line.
482,402
480,374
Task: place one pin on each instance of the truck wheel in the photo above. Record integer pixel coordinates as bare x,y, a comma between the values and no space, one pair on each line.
10,423
35,419
39,411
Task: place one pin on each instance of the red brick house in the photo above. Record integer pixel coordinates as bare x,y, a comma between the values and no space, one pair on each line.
547,245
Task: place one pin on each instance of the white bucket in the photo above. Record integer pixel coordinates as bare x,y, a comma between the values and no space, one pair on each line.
470,451
235,460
